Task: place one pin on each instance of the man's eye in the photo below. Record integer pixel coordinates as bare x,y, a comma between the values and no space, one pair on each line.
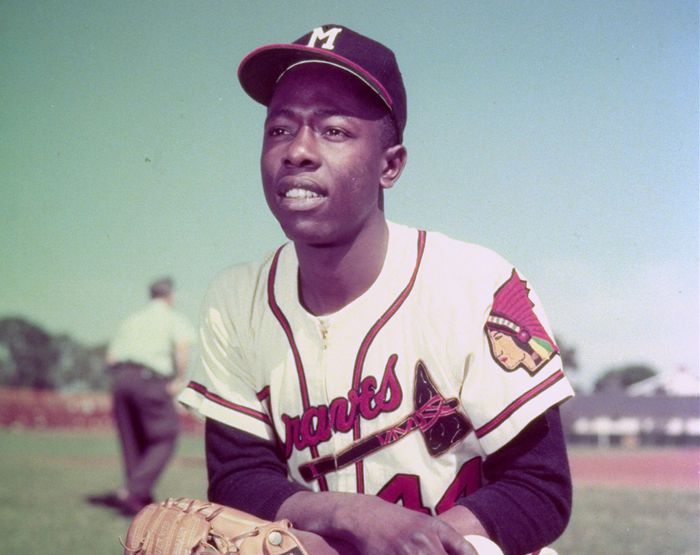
276,131
335,132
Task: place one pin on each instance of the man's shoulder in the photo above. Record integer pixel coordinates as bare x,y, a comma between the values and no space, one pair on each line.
440,241
448,264
244,278
459,253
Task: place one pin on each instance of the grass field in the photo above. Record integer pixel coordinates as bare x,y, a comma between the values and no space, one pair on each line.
46,475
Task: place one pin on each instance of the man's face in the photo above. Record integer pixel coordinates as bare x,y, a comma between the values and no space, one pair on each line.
322,158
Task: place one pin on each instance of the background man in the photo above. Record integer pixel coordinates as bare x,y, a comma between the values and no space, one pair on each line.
148,358
360,358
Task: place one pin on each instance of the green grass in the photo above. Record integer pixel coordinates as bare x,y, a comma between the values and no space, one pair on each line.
626,521
46,475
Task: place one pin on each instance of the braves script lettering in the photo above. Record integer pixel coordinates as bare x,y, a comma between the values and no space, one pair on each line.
317,423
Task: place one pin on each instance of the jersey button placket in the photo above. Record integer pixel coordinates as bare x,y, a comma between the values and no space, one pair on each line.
323,328
323,331
326,358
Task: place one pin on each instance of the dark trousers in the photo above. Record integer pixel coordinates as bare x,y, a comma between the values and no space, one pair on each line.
147,423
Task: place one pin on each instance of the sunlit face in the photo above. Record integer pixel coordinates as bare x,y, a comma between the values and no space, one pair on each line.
322,156
509,354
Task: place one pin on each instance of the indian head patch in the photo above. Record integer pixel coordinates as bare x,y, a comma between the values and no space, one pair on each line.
516,337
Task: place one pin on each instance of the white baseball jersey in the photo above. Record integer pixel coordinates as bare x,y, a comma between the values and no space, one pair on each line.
401,393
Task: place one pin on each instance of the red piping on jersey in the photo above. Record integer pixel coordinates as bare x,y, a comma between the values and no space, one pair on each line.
264,393
282,319
264,397
519,402
369,338
199,388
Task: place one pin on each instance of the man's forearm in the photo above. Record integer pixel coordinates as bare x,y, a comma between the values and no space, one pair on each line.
316,512
371,525
526,502
245,471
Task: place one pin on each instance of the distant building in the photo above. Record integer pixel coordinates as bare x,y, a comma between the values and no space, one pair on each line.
661,410
678,383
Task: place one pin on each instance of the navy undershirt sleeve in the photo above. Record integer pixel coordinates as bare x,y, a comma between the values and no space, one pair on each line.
525,503
245,471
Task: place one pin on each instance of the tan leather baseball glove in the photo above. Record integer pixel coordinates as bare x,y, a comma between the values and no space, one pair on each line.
193,527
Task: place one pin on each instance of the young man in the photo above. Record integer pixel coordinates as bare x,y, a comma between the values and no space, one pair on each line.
365,357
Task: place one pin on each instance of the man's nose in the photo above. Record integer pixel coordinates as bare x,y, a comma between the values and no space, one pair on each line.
302,149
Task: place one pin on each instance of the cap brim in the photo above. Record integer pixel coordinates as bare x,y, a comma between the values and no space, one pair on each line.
260,70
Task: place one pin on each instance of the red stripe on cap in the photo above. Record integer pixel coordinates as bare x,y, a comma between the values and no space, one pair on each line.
321,54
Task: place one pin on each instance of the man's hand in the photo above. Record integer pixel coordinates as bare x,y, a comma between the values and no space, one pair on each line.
318,545
377,527
373,526
464,521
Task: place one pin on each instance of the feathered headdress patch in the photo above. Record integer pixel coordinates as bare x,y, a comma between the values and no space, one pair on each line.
516,336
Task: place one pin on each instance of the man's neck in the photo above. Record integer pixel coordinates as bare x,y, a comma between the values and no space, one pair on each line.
332,277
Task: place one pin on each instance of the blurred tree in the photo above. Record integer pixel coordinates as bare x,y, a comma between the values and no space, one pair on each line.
31,357
32,354
621,377
79,367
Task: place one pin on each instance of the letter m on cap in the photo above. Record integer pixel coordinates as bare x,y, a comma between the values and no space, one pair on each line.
327,38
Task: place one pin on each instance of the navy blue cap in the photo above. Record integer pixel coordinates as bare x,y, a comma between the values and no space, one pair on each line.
367,59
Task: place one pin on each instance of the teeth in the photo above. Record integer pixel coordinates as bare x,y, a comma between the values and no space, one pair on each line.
301,193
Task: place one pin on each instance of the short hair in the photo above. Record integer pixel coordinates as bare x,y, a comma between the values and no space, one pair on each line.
388,137
162,287
388,134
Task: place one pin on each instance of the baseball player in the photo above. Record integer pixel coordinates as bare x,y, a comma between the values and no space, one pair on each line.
387,389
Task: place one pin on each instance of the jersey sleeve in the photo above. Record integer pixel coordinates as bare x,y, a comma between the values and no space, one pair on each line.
223,387
514,373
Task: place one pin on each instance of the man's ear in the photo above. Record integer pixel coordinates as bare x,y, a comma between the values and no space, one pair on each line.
393,163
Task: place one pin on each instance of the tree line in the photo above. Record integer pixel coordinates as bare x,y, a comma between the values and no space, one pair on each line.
32,357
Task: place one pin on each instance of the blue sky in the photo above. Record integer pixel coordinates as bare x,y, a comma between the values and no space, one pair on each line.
562,134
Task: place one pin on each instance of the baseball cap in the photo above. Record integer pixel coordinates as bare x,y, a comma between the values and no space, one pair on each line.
367,59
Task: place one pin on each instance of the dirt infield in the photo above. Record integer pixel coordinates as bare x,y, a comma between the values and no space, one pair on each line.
644,468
